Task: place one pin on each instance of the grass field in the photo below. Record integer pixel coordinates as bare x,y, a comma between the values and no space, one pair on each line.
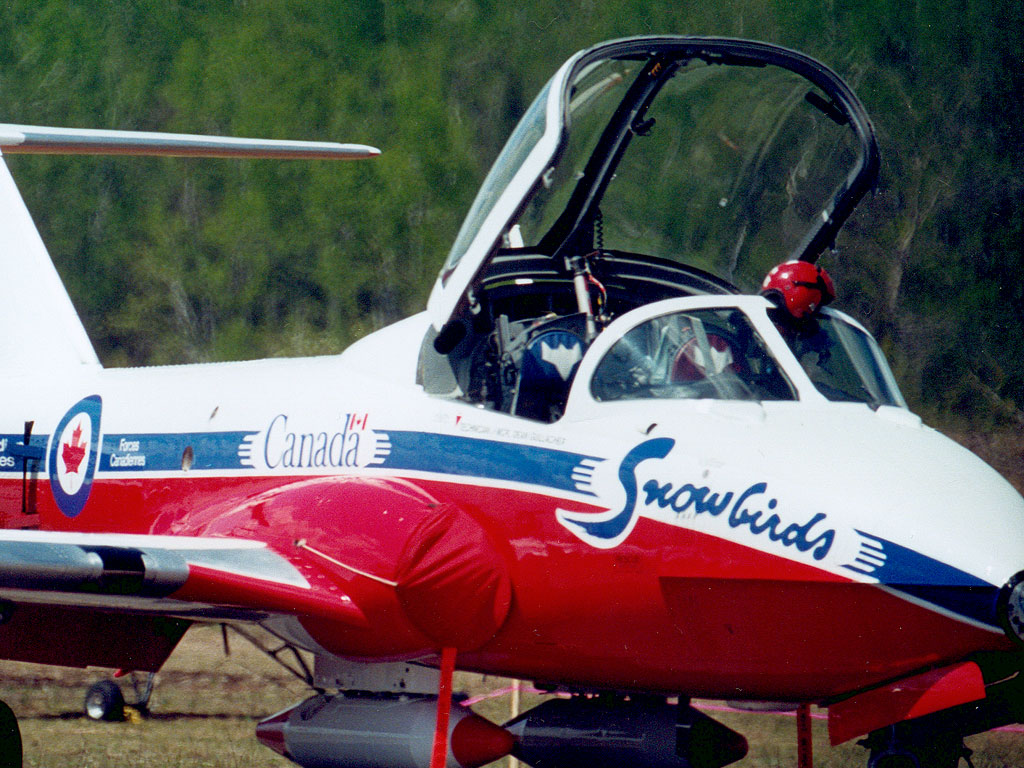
206,705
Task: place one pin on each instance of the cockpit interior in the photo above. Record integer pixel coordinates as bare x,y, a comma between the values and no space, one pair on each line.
664,168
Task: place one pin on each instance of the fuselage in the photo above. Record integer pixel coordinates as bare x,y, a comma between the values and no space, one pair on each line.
777,550
596,460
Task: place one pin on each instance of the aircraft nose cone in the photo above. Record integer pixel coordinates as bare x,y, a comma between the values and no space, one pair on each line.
935,509
1011,607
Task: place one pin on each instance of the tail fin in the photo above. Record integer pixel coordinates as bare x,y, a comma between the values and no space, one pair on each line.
37,318
39,324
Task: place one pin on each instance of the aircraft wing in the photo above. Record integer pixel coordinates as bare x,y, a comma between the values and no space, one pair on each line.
107,599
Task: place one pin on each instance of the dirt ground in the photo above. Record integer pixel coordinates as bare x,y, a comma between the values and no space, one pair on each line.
206,705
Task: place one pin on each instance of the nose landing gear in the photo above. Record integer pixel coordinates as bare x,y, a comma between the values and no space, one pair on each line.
901,746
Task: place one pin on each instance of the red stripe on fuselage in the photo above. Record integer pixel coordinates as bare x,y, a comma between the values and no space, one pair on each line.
674,609
670,609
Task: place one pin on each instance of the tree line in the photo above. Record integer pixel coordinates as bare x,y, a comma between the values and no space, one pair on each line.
192,260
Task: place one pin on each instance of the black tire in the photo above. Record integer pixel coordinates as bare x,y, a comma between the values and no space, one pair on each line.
10,738
104,701
939,750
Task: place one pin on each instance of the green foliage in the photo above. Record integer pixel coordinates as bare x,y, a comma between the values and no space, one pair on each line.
180,260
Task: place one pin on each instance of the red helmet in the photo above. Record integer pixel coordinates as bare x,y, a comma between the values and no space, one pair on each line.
799,286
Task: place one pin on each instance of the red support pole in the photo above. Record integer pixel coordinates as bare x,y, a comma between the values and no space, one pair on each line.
804,737
444,703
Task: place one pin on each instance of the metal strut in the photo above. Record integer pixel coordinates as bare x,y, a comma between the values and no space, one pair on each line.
804,737
297,666
580,268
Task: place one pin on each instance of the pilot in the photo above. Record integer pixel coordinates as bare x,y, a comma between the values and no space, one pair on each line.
798,287
799,290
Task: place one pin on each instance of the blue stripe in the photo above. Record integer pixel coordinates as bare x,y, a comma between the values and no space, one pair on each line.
931,580
978,603
164,452
11,459
490,459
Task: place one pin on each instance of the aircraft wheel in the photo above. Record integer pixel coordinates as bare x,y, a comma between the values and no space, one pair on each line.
10,738
104,701
896,749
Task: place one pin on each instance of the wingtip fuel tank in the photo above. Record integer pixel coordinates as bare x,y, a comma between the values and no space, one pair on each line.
377,731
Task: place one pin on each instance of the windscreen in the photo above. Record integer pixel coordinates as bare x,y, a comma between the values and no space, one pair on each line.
843,362
699,354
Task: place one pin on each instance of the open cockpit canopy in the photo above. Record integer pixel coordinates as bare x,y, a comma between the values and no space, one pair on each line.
714,155
649,168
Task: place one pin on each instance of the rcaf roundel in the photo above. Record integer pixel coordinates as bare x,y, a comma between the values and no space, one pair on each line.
74,454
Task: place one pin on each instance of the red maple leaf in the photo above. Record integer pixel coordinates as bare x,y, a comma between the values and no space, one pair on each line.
73,452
